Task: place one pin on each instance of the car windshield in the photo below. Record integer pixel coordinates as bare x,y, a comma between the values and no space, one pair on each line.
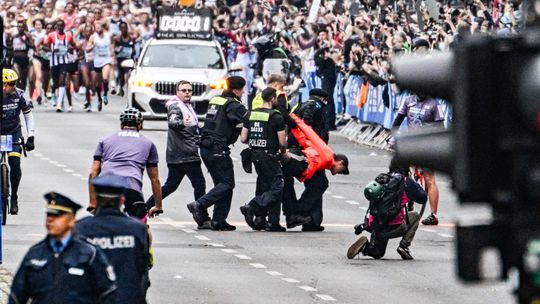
182,56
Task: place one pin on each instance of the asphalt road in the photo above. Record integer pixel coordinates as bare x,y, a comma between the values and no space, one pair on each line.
245,266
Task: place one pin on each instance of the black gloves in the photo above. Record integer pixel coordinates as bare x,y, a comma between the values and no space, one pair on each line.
359,228
30,144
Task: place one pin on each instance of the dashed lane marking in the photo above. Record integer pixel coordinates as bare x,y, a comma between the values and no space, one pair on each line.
189,230
307,288
77,175
352,202
325,297
202,238
242,257
53,162
84,178
446,235
68,171
372,154
178,277
228,250
428,230
338,196
290,280
38,154
215,245
60,165
274,273
258,265
363,208
45,158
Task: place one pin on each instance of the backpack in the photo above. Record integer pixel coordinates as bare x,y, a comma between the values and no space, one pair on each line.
387,207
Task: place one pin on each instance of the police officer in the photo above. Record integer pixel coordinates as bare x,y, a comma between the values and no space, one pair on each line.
312,113
276,82
63,268
264,132
222,126
123,239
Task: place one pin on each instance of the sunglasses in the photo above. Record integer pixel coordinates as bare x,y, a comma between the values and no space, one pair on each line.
186,90
11,84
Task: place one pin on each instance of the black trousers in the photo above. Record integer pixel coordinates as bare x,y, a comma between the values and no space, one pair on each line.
379,238
310,202
220,165
175,176
330,109
269,187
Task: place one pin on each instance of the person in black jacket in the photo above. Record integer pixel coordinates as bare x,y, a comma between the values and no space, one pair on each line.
63,268
182,147
327,71
224,120
123,239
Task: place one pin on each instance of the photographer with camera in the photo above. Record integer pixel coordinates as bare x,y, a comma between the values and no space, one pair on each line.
387,216
327,71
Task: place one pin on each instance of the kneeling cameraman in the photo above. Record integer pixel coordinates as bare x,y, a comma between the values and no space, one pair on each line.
388,217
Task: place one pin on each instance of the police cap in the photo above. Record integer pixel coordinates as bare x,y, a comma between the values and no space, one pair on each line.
236,83
59,204
345,160
110,185
318,92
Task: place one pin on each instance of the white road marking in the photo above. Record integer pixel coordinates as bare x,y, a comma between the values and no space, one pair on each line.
372,154
77,175
289,280
68,170
352,202
178,277
274,273
188,230
60,165
258,266
45,158
38,154
428,230
242,257
84,178
228,250
177,225
202,238
363,208
446,235
53,162
307,288
215,245
325,297
338,196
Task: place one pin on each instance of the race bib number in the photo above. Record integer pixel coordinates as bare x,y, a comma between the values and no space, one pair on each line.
61,50
103,51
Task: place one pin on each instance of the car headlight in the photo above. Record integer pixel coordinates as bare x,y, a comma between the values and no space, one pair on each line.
141,82
218,84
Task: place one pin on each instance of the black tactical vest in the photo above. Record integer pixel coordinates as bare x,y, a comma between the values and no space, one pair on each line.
259,130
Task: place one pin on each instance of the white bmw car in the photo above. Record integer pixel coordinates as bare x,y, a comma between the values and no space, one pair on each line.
165,62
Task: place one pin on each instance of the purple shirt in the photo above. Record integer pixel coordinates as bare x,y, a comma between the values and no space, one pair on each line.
420,113
127,153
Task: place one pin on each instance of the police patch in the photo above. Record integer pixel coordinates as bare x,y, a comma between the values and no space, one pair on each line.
38,263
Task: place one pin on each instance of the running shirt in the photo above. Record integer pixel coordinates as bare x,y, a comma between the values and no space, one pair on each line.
127,153
125,48
420,113
102,50
38,38
12,106
19,43
59,46
69,20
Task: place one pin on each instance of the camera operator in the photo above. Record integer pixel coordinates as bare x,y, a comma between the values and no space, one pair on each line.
328,73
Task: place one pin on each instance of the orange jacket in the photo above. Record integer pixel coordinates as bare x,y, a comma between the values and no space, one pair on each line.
319,155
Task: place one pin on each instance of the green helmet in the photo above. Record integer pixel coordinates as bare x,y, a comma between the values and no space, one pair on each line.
373,191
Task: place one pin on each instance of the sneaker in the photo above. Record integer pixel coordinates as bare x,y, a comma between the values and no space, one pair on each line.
297,220
39,100
431,220
222,226
59,110
249,215
106,100
70,109
121,92
205,225
404,253
274,228
87,105
197,213
357,247
311,228
14,208
53,100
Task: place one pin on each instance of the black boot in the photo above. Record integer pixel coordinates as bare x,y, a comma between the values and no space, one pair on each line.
297,220
14,207
198,213
222,226
249,214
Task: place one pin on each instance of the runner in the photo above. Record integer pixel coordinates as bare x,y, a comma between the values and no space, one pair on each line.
125,49
102,46
40,60
86,66
21,43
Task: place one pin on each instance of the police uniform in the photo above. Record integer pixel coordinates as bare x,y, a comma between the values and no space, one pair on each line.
221,129
282,101
312,112
123,239
67,271
263,125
